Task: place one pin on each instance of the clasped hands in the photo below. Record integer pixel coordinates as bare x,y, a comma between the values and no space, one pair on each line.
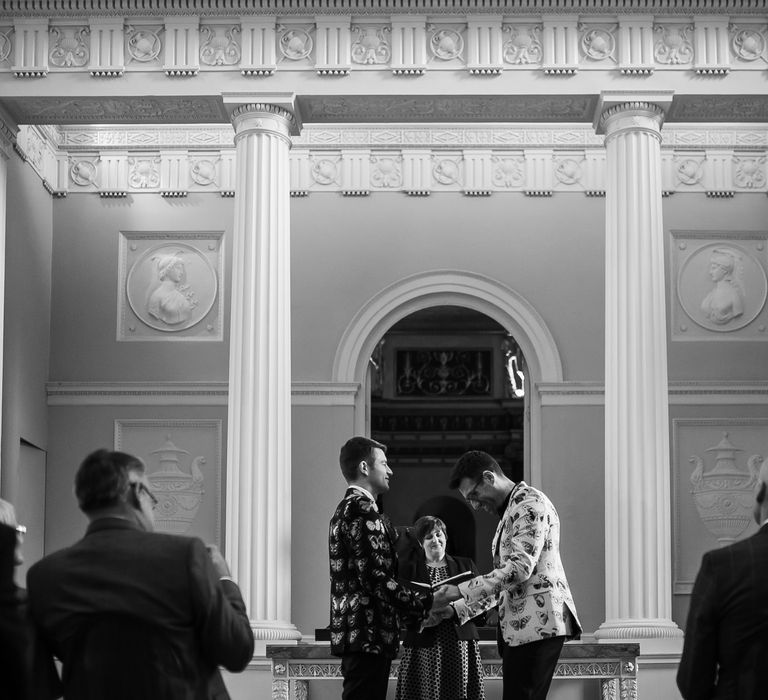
441,610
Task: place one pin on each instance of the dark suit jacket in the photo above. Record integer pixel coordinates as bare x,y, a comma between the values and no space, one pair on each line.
15,647
367,600
167,580
417,571
726,637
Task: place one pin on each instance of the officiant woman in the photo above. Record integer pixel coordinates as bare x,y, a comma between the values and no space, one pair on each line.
441,662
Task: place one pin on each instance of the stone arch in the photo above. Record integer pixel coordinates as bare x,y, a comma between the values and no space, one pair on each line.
443,288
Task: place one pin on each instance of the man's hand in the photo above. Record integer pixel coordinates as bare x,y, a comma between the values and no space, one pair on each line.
219,563
445,595
437,615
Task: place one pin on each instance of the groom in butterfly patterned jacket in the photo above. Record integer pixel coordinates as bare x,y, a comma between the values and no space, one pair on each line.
528,583
368,603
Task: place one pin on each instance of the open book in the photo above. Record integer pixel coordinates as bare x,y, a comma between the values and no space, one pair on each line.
450,581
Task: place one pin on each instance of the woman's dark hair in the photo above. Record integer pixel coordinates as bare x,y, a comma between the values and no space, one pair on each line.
426,525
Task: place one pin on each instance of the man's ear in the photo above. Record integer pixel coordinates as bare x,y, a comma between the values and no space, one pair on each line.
363,468
489,477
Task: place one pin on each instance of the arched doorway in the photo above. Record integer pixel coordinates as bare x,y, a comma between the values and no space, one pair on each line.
439,386
501,306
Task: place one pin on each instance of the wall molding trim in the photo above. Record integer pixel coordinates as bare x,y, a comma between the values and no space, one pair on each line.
186,393
680,393
318,393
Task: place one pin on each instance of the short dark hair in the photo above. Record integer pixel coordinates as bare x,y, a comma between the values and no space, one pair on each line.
102,479
354,451
471,465
426,525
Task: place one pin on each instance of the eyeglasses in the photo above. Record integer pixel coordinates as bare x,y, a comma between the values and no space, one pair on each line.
472,495
142,488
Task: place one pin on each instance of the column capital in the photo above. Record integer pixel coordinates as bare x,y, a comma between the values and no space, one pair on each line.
634,104
276,108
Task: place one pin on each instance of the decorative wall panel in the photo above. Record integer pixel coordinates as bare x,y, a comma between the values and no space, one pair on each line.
169,286
714,465
719,285
183,461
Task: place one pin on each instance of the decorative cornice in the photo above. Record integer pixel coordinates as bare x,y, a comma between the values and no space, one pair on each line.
151,8
416,160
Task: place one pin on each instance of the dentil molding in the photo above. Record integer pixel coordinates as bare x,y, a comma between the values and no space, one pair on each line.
366,159
35,44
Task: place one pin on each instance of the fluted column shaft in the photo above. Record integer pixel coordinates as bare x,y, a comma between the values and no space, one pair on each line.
7,137
258,523
637,491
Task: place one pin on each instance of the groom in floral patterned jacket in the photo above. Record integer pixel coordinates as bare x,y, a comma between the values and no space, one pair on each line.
367,601
536,610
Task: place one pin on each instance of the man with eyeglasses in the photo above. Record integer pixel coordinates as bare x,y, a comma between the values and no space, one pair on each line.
124,581
528,583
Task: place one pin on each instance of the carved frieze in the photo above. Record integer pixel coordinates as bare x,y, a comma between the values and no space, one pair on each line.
414,159
750,43
169,286
721,285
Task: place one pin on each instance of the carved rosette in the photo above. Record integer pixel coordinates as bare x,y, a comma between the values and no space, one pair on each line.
70,47
372,45
386,172
295,42
674,45
220,46
749,44
524,44
5,46
143,44
749,172
598,43
724,496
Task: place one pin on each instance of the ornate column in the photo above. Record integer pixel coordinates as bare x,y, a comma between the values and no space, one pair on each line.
637,484
258,526
7,138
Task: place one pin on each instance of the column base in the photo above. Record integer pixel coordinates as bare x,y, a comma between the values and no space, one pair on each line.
630,630
274,631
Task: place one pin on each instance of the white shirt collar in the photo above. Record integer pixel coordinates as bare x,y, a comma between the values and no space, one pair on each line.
365,492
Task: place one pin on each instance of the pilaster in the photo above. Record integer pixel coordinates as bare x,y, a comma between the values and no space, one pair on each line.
258,521
637,488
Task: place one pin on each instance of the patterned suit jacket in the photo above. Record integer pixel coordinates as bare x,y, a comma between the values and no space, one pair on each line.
528,584
367,600
726,636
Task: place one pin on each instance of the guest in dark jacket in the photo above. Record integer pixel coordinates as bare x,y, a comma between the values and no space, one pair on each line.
15,647
181,594
441,661
726,636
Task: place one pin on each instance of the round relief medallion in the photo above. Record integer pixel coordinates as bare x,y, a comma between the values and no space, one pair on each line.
171,287
722,287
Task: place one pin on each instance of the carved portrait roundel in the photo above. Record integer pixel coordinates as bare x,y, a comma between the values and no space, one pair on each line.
722,287
171,287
